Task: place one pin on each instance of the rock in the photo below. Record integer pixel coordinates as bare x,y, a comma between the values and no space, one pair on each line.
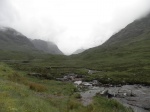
107,94
141,102
119,85
106,85
86,84
110,95
135,96
124,81
95,83
90,72
70,77
124,94
109,78
77,83
104,93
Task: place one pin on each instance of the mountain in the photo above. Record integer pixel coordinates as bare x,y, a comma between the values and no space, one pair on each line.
129,49
133,39
12,40
131,32
47,47
123,58
78,51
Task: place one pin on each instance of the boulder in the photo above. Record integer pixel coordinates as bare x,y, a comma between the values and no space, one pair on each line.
106,93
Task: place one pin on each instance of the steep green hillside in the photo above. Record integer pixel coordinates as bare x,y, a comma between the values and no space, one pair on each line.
130,44
125,55
78,51
47,47
12,40
14,45
124,58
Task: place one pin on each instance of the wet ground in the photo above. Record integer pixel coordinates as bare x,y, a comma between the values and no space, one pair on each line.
134,96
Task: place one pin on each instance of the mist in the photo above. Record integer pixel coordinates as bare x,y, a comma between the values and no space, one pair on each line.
71,24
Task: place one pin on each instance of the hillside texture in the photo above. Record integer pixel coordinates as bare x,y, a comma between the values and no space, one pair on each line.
125,56
10,39
47,47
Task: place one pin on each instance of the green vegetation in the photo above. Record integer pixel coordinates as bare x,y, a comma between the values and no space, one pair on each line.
21,93
125,63
110,104
123,59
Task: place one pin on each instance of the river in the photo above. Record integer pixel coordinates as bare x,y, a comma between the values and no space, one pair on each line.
135,96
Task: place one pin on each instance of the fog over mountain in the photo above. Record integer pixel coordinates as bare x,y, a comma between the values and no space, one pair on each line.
47,47
12,40
71,24
78,51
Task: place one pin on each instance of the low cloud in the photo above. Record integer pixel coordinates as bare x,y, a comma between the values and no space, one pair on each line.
71,24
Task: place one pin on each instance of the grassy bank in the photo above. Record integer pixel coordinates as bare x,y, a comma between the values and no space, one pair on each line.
21,93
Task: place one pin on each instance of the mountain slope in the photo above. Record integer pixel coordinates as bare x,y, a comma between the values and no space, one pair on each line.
133,38
14,45
126,52
12,40
47,47
124,58
131,32
78,51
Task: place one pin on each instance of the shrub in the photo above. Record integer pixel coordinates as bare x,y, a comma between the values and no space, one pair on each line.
77,95
37,87
72,104
15,77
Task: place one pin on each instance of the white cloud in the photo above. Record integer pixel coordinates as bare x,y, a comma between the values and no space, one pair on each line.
71,24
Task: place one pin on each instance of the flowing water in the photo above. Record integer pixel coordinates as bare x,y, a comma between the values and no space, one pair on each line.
134,96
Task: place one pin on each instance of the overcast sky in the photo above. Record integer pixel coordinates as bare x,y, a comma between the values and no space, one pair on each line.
71,24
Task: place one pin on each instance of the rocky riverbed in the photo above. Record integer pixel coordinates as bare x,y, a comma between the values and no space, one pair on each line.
134,96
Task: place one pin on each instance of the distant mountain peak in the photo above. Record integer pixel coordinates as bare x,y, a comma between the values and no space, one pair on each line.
133,40
10,30
79,51
134,29
46,46
10,39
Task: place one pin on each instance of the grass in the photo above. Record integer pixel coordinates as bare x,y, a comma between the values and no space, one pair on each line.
110,104
37,87
21,93
124,59
18,98
127,62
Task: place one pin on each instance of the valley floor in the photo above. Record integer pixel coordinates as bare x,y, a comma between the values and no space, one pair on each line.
22,93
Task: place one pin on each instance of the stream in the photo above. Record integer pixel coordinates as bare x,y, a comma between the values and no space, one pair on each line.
135,96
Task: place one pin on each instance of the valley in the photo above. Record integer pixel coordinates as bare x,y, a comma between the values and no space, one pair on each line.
20,92
37,77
